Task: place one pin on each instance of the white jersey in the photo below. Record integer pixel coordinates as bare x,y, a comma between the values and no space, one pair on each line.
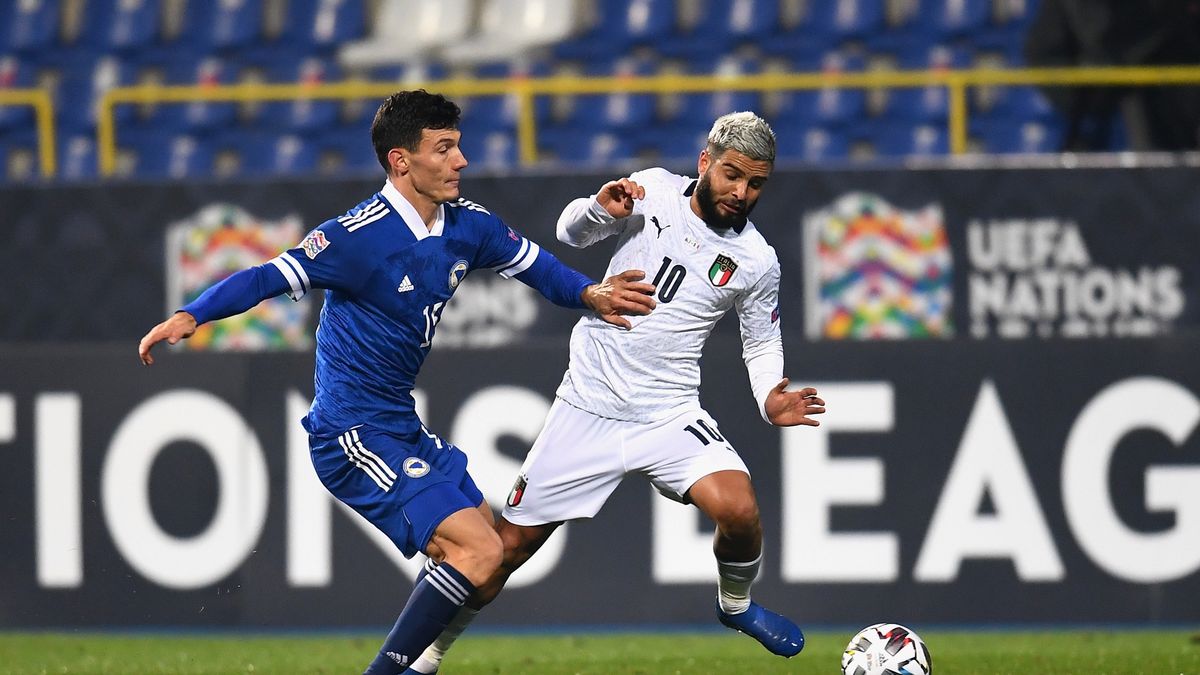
653,370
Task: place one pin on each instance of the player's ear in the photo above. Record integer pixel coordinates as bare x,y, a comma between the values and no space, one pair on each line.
398,161
703,162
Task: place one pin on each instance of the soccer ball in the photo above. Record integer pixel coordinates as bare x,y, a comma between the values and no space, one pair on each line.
886,649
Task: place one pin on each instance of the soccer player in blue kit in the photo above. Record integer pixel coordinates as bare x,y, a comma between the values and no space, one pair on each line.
389,266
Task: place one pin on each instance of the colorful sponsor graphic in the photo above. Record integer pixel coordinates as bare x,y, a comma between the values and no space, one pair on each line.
873,271
217,241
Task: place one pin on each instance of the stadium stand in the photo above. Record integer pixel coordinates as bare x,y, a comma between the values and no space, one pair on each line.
79,49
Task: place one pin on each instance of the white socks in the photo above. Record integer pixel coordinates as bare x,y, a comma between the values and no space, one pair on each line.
733,584
431,658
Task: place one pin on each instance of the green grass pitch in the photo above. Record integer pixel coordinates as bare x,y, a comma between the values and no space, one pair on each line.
1095,652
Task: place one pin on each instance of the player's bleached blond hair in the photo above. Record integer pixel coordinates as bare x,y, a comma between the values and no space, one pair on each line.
745,132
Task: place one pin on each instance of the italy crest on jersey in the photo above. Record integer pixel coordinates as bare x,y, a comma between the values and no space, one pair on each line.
722,270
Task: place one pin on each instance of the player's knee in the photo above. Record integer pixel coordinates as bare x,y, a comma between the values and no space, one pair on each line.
480,558
739,519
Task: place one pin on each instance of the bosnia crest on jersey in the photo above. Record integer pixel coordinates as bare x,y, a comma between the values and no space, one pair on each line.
721,270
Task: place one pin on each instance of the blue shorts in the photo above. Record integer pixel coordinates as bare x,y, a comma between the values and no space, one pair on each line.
404,485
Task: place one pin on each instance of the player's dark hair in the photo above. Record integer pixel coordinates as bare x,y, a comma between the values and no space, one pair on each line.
404,115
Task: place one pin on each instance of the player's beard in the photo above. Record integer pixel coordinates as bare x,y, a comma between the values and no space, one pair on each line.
711,214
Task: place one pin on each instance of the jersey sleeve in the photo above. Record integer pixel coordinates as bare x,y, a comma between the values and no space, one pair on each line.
762,339
501,248
326,258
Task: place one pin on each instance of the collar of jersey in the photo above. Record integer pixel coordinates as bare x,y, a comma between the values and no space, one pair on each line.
408,213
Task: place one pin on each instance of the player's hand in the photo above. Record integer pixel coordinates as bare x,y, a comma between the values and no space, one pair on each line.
617,197
621,294
792,408
181,325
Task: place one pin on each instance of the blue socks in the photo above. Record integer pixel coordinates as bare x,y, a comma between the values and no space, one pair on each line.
435,599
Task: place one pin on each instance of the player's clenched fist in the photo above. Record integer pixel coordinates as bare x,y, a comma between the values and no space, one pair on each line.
181,325
617,197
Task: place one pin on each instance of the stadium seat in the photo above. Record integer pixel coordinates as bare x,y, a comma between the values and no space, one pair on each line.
698,110
587,148
222,26
616,111
264,155
812,144
19,156
197,116
166,155
492,151
303,116
924,104
80,89
77,158
28,25
830,107
934,21
1016,136
670,143
510,29
721,25
615,27
902,140
351,146
121,25
844,20
15,74
482,114
322,26
407,30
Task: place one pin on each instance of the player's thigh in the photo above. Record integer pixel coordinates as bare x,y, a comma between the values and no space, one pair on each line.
404,486
676,453
571,470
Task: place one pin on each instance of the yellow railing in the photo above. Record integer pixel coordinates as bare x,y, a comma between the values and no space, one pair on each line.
527,89
43,107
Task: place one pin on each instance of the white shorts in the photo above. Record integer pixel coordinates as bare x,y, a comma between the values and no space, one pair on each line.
579,459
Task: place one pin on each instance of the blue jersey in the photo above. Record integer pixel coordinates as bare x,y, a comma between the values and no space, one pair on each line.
387,279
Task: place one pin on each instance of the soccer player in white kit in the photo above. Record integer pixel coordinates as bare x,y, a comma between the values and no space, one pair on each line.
629,401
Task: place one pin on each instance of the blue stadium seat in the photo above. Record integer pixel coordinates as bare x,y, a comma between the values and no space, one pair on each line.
582,148
81,87
1015,136
953,18
925,104
322,25
197,116
671,143
902,140
77,158
831,107
351,144
15,74
159,155
723,25
19,156
698,110
28,25
617,111
1014,103
619,26
846,19
491,151
811,144
210,26
283,155
499,113
303,115
121,25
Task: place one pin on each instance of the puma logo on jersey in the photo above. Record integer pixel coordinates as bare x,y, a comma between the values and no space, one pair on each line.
405,285
660,228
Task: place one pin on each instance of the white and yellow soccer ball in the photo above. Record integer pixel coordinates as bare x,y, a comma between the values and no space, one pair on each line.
886,649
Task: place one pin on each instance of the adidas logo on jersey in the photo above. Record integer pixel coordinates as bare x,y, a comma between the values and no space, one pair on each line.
405,285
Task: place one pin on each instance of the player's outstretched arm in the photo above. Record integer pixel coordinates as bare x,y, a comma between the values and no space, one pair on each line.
180,326
618,295
793,408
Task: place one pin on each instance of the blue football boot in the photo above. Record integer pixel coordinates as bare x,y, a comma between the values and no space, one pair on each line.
774,631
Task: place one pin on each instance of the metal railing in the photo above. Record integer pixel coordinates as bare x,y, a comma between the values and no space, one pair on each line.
43,108
527,90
